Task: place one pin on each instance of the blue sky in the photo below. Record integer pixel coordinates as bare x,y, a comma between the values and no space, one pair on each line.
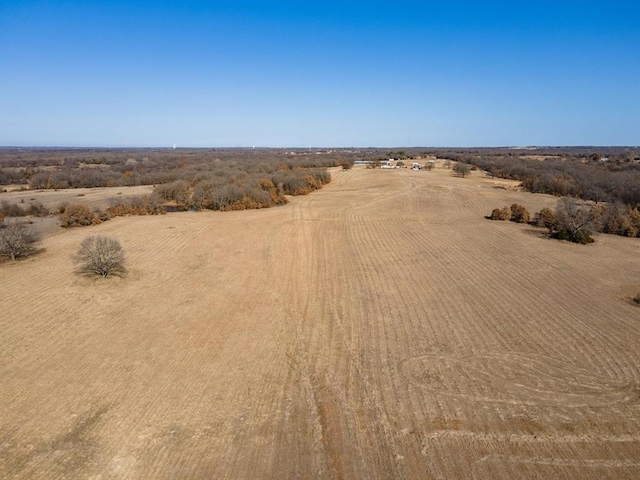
334,73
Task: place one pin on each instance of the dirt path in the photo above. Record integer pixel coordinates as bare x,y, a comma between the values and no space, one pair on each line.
378,328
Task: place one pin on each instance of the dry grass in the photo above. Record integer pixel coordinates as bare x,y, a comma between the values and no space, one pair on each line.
378,328
91,197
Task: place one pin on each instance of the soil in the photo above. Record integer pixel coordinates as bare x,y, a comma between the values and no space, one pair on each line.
378,328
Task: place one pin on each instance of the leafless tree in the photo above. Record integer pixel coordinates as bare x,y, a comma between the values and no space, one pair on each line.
574,220
99,255
462,169
17,241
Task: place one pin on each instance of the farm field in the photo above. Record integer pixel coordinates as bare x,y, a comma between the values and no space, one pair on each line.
98,197
378,328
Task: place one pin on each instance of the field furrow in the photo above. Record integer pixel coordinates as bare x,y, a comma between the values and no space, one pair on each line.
378,328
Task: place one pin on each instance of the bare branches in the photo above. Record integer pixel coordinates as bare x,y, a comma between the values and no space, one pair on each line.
101,256
574,221
17,241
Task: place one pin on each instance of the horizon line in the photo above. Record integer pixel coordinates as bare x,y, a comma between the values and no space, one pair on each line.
257,147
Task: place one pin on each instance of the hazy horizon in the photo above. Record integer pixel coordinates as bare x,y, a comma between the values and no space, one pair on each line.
288,74
312,147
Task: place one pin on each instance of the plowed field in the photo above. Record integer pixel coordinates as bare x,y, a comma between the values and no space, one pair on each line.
379,328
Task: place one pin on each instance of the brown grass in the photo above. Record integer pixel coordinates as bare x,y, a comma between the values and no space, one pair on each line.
377,328
91,197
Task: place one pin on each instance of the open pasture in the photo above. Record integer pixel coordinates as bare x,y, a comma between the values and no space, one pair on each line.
378,328
98,197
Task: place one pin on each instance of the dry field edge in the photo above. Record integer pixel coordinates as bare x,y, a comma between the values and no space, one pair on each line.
378,328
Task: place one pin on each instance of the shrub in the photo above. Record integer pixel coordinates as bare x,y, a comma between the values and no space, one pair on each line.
519,214
37,209
637,299
546,218
100,256
76,215
501,214
582,237
17,241
11,209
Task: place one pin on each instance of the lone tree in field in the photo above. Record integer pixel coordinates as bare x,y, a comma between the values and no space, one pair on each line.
17,241
101,256
462,169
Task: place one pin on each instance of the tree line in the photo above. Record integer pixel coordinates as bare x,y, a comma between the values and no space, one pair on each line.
598,177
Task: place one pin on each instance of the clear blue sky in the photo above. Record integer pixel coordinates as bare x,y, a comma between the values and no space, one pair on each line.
333,73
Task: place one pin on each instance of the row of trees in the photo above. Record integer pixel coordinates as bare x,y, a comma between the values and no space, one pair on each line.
591,177
215,192
575,220
52,169
193,181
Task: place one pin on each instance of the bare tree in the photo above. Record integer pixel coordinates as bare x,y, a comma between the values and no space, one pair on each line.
17,241
101,256
462,169
574,221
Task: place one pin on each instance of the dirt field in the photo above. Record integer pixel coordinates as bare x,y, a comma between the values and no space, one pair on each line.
91,197
379,328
